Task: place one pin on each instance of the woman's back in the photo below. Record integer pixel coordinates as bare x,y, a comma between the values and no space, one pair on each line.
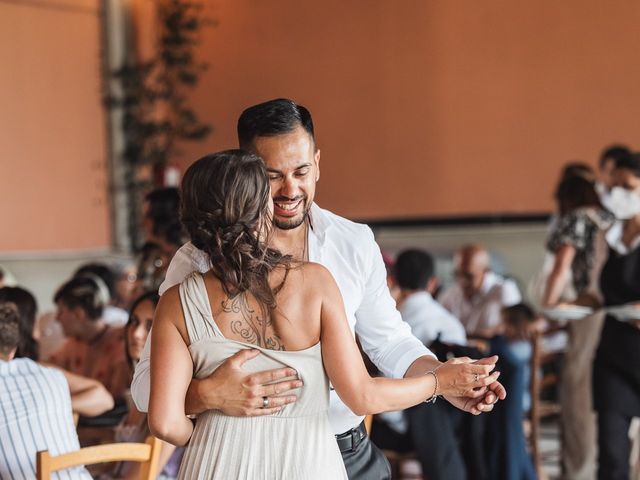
294,324
296,442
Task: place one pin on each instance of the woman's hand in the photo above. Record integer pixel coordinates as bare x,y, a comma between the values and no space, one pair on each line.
461,377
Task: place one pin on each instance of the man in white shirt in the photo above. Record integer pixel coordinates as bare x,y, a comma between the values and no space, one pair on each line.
281,132
478,296
35,408
414,273
441,456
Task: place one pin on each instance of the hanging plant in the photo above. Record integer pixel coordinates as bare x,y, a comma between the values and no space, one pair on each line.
154,100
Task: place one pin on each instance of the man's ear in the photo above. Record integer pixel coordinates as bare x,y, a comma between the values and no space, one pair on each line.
79,313
432,285
316,157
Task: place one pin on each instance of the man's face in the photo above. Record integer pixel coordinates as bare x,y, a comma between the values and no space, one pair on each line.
623,177
293,167
469,274
606,173
69,319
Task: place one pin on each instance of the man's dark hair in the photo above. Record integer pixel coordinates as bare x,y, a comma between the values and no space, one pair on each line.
275,117
413,269
9,327
630,162
82,292
27,307
615,153
101,271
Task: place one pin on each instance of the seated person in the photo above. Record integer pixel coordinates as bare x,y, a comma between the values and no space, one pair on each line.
93,348
479,294
88,397
133,427
414,273
520,322
35,405
457,448
106,279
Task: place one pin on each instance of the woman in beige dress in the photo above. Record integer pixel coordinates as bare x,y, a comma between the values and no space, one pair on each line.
292,313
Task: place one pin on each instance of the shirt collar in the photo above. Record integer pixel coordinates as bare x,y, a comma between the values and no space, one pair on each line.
488,282
417,297
320,222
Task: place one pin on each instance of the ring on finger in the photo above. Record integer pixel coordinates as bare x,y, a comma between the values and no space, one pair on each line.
265,402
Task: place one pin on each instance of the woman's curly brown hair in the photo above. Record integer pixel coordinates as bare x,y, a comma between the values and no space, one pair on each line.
225,210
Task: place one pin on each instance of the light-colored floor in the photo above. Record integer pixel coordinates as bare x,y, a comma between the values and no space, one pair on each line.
549,447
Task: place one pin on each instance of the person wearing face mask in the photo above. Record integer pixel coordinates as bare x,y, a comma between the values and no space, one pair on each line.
616,369
606,165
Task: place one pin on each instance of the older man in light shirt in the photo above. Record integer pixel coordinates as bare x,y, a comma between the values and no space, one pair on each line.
478,296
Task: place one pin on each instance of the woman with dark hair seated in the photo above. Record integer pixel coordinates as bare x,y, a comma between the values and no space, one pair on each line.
134,428
93,348
291,314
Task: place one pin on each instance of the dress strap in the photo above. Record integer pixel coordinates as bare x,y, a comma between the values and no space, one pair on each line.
196,309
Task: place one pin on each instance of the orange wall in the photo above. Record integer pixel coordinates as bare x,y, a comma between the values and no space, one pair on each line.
52,130
426,107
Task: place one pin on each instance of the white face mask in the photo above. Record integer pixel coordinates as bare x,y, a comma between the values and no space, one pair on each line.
623,203
604,194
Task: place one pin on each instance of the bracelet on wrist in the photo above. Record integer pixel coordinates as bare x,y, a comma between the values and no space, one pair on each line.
434,396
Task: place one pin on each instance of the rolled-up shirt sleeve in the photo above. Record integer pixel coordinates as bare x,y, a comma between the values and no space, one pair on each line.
385,338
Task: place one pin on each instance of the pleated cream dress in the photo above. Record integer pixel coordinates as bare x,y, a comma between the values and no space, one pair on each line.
296,443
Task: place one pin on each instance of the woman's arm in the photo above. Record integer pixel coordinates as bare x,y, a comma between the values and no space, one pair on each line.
171,372
88,396
366,395
561,267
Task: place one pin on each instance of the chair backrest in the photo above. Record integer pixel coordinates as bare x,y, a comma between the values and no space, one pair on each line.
147,453
539,381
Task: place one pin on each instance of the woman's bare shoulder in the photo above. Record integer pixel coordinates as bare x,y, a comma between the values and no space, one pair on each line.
170,307
313,275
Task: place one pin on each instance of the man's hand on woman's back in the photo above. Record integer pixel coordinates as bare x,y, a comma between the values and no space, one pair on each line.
236,392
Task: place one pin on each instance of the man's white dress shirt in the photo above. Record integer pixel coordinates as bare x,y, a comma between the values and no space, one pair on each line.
483,311
349,251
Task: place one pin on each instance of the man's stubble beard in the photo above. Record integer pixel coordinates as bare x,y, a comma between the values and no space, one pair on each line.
293,222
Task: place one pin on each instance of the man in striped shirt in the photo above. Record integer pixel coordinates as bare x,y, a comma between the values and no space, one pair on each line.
35,409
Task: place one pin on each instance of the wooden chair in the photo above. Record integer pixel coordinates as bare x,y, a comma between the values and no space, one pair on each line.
541,409
146,453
